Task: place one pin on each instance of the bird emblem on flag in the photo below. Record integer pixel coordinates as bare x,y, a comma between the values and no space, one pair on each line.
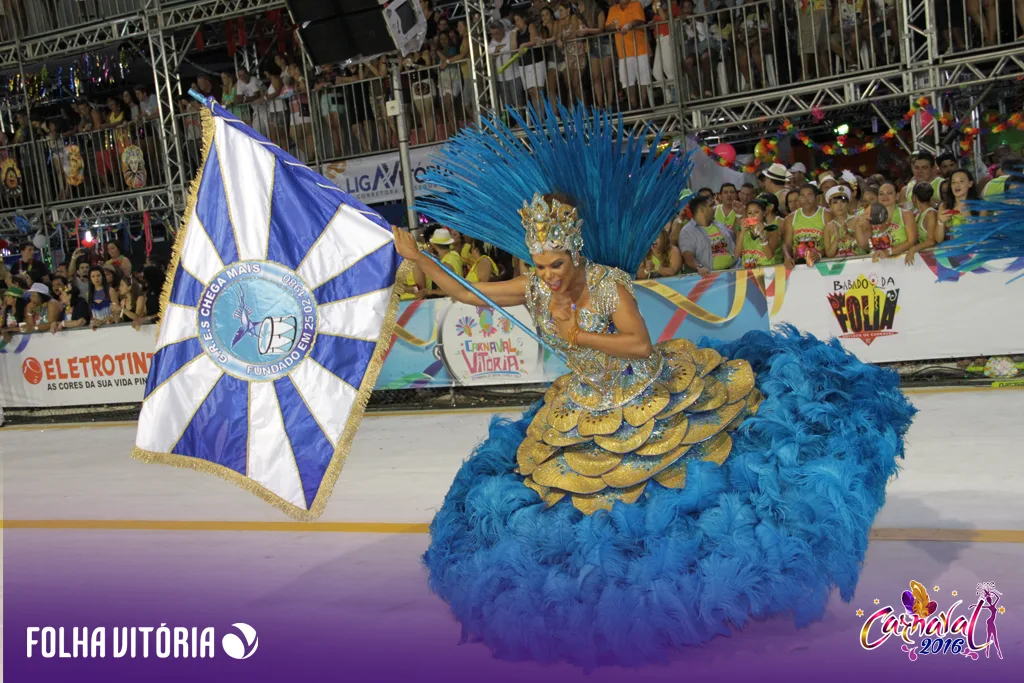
276,315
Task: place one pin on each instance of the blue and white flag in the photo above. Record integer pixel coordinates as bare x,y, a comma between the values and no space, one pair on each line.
278,310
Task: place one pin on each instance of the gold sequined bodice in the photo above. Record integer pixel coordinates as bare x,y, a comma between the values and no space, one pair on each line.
600,381
613,426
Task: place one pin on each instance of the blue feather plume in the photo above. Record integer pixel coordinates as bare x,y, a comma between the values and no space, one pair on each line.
624,194
996,232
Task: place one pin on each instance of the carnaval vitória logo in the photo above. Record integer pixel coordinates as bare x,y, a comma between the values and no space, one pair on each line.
865,308
926,630
257,320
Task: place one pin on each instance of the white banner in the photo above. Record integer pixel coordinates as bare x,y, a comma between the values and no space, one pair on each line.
478,346
889,311
378,178
76,367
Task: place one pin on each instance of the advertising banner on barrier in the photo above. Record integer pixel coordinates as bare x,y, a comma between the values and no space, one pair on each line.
889,311
439,343
71,368
881,312
378,178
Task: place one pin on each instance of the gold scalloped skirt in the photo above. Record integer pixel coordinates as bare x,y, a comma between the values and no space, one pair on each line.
599,457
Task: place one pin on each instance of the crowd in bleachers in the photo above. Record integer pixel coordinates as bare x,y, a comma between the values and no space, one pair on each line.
97,286
782,219
621,55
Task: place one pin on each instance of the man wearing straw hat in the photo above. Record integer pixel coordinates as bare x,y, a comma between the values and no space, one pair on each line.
443,241
773,180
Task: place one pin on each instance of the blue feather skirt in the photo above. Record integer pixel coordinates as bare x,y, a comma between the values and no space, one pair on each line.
770,533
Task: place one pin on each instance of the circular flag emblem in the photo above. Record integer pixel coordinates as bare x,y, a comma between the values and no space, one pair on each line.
257,320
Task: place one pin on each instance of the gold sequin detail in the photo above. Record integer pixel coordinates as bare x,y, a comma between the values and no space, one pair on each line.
626,439
716,449
532,453
586,396
681,401
606,499
556,473
647,405
678,347
549,496
557,387
635,469
667,435
713,397
738,378
539,424
605,422
673,476
554,437
564,414
754,399
703,426
706,360
681,374
591,460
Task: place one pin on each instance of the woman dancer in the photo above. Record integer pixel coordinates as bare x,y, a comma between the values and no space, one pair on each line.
660,494
988,597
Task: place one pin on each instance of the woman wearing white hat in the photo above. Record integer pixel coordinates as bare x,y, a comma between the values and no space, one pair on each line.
38,309
443,244
846,236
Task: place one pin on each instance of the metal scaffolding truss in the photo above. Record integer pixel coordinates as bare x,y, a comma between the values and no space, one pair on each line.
981,69
484,95
34,216
153,200
82,39
767,108
94,35
9,56
213,10
165,58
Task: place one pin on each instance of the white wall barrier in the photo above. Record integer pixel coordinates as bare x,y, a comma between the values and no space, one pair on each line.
76,367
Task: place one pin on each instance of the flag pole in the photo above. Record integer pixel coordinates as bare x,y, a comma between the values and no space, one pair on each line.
405,160
487,300
197,96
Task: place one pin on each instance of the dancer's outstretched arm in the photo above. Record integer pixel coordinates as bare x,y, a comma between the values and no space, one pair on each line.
510,293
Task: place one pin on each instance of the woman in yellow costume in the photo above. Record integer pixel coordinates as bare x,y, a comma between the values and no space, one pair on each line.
660,494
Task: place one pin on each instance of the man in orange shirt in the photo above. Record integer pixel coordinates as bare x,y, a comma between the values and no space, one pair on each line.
628,20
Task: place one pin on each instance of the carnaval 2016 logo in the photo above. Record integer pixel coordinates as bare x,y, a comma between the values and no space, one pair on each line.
490,346
865,308
942,632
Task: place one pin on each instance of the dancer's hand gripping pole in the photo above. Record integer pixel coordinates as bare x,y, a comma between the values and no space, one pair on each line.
511,318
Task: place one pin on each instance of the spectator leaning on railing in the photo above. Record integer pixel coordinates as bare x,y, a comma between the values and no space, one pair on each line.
628,20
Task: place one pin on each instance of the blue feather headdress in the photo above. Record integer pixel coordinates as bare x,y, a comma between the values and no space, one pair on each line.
623,194
996,232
